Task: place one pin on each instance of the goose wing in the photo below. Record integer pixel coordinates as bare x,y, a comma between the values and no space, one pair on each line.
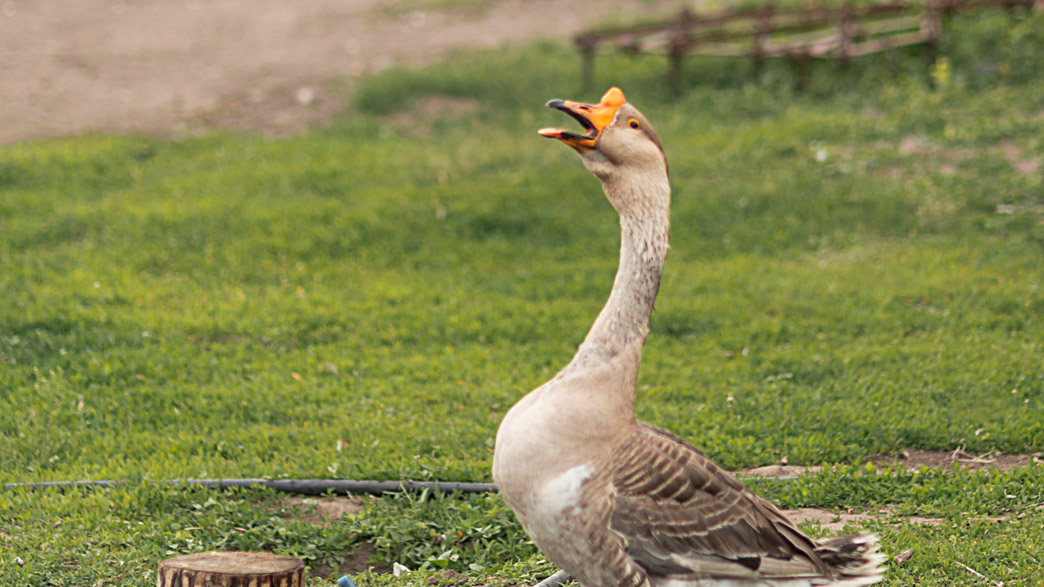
680,514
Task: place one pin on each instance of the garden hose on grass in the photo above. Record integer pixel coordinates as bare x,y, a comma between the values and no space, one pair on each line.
311,486
302,486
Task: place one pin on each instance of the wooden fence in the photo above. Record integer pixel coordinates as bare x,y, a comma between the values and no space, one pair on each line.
797,35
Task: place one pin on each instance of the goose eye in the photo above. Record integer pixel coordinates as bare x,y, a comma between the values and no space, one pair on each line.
633,123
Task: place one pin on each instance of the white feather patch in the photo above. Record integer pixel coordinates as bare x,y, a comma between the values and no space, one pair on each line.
563,492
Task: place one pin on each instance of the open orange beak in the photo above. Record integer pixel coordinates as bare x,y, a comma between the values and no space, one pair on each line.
593,117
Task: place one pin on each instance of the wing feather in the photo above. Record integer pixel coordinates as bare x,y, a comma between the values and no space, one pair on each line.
679,513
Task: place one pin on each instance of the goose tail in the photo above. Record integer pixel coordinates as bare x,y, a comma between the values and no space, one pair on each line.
855,558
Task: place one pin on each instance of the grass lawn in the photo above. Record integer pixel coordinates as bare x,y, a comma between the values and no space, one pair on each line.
855,269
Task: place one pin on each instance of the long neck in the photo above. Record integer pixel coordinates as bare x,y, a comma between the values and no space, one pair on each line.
643,203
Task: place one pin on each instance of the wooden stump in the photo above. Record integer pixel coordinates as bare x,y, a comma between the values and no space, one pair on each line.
231,569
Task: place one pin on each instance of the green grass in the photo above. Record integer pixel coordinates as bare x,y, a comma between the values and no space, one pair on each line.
854,270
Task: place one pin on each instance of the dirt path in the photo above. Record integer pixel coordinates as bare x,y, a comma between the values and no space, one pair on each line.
157,66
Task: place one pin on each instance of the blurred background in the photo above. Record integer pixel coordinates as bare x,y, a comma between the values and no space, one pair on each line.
158,65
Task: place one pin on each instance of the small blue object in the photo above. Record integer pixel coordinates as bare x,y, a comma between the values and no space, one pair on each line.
345,581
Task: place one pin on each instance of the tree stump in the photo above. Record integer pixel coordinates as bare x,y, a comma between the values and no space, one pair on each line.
231,569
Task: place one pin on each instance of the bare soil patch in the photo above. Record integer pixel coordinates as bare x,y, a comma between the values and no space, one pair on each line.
356,563
915,458
835,522
327,509
777,471
169,66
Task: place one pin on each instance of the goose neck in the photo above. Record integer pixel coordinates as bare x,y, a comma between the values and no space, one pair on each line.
644,228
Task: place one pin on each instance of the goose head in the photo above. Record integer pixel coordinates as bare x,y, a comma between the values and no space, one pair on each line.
617,140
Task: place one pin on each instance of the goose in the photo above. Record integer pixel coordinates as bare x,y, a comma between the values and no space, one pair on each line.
617,502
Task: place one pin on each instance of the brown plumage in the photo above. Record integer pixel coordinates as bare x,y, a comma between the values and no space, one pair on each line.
674,504
617,502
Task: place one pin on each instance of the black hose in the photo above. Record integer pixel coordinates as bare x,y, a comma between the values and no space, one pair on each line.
313,486
303,486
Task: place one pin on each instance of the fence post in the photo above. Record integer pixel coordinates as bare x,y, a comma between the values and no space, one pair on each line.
757,48
676,55
674,71
845,36
801,65
931,28
587,65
